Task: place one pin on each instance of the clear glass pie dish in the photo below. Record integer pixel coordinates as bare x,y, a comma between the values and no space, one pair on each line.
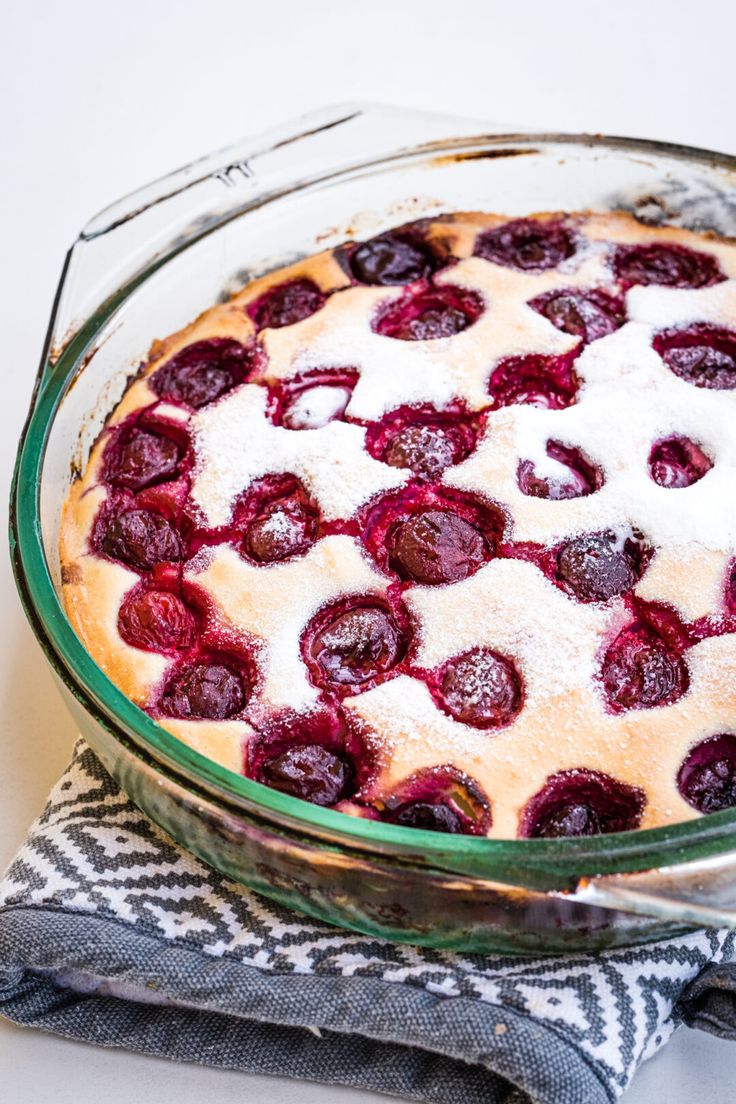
145,267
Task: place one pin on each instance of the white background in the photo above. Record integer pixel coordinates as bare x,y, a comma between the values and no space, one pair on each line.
97,99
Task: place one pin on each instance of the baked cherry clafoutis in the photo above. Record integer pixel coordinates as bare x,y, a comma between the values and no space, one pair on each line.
438,528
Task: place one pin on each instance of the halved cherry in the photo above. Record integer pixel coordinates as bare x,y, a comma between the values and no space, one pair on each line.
678,462
580,477
202,372
440,799
640,670
703,355
139,538
352,644
665,264
707,777
286,304
156,620
544,381
587,314
582,802
429,314
480,688
532,245
596,567
210,691
138,458
394,258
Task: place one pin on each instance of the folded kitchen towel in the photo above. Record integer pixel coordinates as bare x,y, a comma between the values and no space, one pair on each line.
111,933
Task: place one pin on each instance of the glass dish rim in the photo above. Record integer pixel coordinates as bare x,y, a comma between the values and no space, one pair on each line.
615,852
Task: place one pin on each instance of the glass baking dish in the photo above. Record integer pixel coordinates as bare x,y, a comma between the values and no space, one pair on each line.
145,267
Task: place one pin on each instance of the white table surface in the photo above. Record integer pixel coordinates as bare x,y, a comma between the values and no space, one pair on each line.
97,99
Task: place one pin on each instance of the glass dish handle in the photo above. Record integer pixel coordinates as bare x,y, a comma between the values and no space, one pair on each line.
150,225
699,894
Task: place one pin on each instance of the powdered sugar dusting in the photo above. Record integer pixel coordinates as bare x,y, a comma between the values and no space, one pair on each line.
278,523
628,400
663,307
510,607
236,443
563,730
393,373
316,406
274,604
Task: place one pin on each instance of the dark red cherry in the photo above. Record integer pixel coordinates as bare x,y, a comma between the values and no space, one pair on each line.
639,671
678,462
432,818
140,459
285,304
480,688
282,529
671,265
599,566
207,691
546,382
582,803
588,315
423,440
355,646
435,547
569,820
156,620
202,372
391,259
702,355
440,799
730,595
707,778
527,244
141,539
311,755
425,450
311,772
429,315
579,479
275,519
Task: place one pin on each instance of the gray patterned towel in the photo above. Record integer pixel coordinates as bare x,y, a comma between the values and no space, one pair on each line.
109,932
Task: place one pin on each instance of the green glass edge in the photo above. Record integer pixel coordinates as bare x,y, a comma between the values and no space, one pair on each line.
522,862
